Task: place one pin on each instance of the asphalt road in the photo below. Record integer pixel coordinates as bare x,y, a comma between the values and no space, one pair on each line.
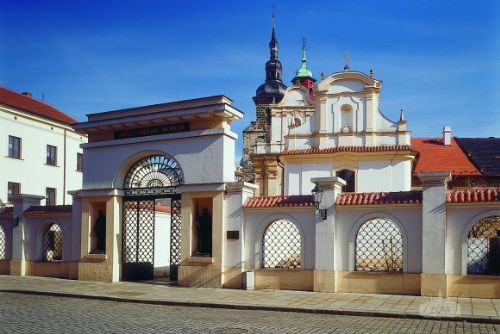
21,313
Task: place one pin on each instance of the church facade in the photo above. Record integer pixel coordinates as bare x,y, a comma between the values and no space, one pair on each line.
336,197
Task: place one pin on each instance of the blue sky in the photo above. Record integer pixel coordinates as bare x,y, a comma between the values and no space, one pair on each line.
439,60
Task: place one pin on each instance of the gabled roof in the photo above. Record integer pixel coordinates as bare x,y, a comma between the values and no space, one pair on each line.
484,153
435,156
33,106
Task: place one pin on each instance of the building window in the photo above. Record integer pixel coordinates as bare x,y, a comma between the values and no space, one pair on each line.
13,188
79,162
51,155
14,147
50,196
52,243
379,246
483,247
3,244
349,177
282,245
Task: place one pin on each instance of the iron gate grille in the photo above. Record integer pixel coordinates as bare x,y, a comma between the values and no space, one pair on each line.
379,246
52,244
175,238
2,244
138,241
483,247
281,246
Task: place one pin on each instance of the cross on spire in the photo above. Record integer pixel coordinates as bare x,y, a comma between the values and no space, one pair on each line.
347,56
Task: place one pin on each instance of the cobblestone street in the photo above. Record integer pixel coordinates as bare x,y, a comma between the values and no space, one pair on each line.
21,313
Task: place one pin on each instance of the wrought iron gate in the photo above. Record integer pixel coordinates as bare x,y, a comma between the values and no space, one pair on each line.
138,235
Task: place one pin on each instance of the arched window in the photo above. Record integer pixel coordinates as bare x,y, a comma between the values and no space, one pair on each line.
153,172
3,244
52,243
483,247
281,246
379,246
349,177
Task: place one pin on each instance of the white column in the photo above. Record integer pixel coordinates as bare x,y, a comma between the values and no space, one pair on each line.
324,274
434,232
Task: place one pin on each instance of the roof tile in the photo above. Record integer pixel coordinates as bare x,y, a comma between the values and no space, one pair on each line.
473,195
378,198
31,105
279,201
434,157
361,149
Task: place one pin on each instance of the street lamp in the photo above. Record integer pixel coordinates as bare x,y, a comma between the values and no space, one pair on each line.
317,197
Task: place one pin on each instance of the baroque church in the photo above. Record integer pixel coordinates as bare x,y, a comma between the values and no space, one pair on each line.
334,197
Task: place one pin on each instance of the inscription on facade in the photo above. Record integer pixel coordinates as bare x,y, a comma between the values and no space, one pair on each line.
151,131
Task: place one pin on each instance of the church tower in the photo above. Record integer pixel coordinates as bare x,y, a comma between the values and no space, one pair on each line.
267,94
303,76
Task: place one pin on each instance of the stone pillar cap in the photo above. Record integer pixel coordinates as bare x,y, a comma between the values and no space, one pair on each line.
328,182
19,197
434,176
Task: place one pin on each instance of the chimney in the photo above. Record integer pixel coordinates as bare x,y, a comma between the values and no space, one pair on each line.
28,94
447,136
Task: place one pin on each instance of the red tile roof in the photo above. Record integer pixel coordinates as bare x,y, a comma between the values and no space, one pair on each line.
40,210
473,195
144,206
279,201
31,105
434,157
361,149
6,211
377,198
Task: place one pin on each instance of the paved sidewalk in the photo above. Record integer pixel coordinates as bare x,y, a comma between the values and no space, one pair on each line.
453,309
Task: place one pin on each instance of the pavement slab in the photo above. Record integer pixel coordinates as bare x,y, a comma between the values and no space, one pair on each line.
417,307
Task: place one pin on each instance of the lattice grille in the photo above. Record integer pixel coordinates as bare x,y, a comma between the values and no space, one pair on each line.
379,246
52,243
138,231
153,172
282,245
3,244
483,247
175,233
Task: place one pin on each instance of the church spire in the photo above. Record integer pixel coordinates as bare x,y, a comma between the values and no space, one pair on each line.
273,88
304,76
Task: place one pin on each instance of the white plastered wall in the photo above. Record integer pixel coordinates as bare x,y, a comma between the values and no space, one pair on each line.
31,171
203,159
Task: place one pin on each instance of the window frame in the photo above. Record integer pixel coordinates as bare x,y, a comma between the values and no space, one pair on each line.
79,162
9,193
10,149
48,201
51,149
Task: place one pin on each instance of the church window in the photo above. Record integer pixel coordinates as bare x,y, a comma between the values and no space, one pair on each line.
282,245
379,246
483,247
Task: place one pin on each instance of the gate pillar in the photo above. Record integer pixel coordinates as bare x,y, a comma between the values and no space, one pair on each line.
103,267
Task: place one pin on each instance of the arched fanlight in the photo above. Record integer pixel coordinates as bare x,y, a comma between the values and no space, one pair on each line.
154,171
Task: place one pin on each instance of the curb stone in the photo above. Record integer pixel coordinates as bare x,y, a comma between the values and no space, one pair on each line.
347,312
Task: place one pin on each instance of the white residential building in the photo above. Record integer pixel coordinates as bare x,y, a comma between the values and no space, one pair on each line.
41,150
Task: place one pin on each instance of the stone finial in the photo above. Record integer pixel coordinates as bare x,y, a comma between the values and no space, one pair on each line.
372,75
402,118
347,57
